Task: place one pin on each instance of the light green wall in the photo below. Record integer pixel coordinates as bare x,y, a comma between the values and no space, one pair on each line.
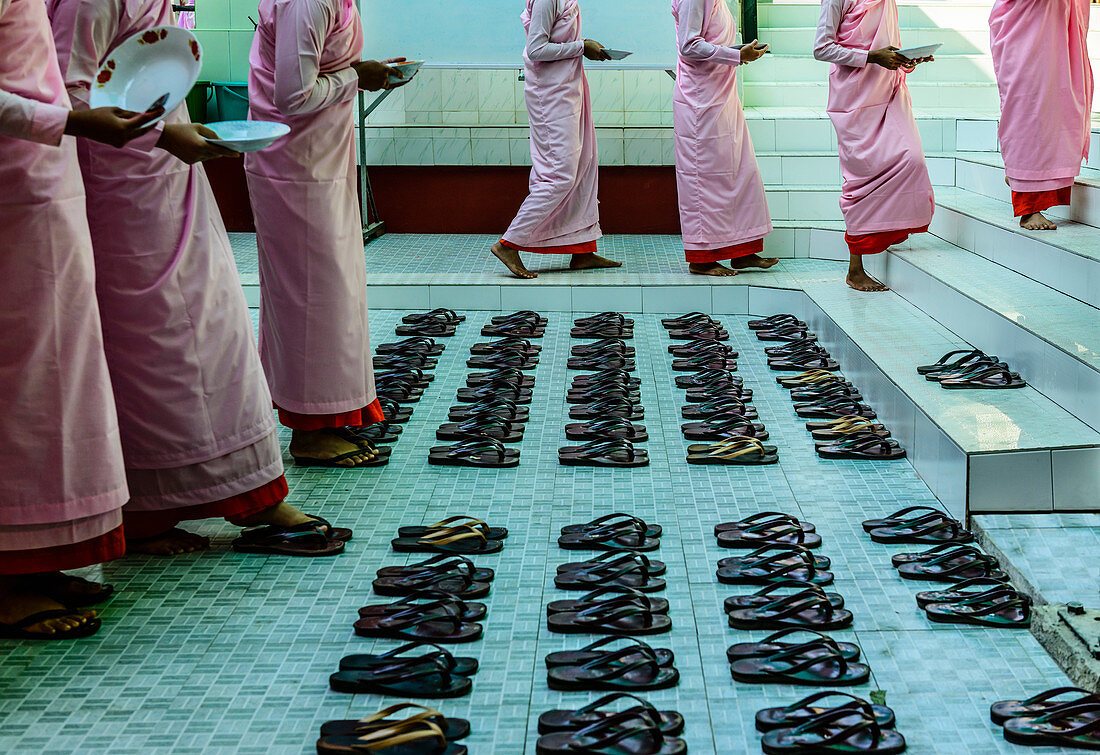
225,32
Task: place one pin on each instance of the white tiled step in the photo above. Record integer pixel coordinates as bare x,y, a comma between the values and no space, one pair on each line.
977,450
1051,339
984,174
1067,260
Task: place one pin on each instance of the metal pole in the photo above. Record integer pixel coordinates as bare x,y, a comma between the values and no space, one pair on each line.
372,229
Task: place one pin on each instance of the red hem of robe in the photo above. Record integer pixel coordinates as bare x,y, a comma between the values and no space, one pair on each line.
371,414
140,524
586,247
874,243
1031,202
702,256
106,547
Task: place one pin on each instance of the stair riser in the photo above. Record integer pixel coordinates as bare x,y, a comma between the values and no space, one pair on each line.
989,181
1070,383
1072,274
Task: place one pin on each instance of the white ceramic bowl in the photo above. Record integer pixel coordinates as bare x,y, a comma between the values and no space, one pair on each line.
407,69
247,136
158,61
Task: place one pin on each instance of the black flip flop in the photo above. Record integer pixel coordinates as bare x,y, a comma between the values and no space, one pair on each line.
309,539
771,645
462,540
507,374
466,611
617,520
612,673
609,427
806,363
19,629
452,728
951,360
872,447
393,411
652,566
720,406
429,654
786,563
496,405
798,713
842,730
806,610
495,389
613,452
435,623
426,680
436,315
627,732
688,320
476,452
761,521
525,315
722,426
609,538
505,344
623,615
903,517
767,595
525,330
775,321
669,722
597,362
603,346
959,591
833,408
1072,726
1040,704
485,424
516,359
932,532
608,407
816,664
995,377
628,570
440,564
781,535
632,650
609,330
953,565
1000,607
413,345
646,602
590,394
434,329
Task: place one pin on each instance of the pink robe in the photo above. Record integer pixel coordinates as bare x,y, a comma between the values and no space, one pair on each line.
61,473
1045,79
314,339
886,191
721,193
561,212
193,404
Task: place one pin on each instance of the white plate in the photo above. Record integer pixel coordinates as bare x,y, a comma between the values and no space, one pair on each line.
407,69
920,52
247,136
617,54
158,61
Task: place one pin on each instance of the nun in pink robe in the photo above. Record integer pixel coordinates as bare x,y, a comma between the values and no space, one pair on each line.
723,210
1041,58
887,194
561,212
198,433
62,484
314,340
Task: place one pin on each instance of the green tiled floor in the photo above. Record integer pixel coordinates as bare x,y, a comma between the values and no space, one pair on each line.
221,652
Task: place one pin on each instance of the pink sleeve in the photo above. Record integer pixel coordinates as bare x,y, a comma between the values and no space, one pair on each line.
825,47
689,36
23,118
300,87
544,14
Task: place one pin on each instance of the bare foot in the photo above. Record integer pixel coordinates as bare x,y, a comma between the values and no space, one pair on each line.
18,600
170,543
280,515
1037,221
711,268
591,262
510,258
753,260
324,445
861,281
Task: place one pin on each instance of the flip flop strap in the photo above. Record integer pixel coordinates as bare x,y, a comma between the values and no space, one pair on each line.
402,732
637,648
611,403
417,615
599,449
774,638
827,726
989,609
451,535
475,447
727,422
735,447
599,592
799,659
619,670
898,516
615,696
425,713
724,404
937,526
611,612
610,424
483,422
792,605
1068,719
616,728
804,703
773,566
1042,697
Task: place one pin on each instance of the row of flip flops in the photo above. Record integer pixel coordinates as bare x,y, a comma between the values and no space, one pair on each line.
791,598
979,592
436,605
1060,717
842,425
605,396
494,406
718,404
401,728
971,368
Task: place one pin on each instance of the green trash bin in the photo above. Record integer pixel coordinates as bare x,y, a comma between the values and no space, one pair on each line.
231,100
197,100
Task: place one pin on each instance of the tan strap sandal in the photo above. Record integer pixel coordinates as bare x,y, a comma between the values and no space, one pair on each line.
402,732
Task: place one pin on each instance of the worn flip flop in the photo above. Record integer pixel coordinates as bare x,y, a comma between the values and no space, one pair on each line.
429,653
817,664
624,616
491,425
414,345
609,427
646,602
1040,704
628,650
436,623
309,539
1072,726
628,732
807,609
669,722
842,730
611,452
431,680
798,713
613,671
771,645
476,452
617,520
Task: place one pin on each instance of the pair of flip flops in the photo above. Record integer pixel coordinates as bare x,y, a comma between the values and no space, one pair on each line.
948,562
622,614
702,331
616,532
438,323
918,524
867,445
476,451
479,425
404,361
613,451
656,606
775,321
775,563
816,663
669,722
602,361
627,732
603,346
453,575
605,325
971,368
724,425
611,406
715,359
977,602
424,731
414,345
767,528
610,383
416,669
632,667
463,538
525,324
1061,717
495,405
733,450
490,348
315,538
440,621
629,569
850,725
809,607
605,429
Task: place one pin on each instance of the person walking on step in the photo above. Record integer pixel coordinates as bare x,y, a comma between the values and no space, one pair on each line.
1040,56
723,210
886,194
62,484
561,212
314,340
198,433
